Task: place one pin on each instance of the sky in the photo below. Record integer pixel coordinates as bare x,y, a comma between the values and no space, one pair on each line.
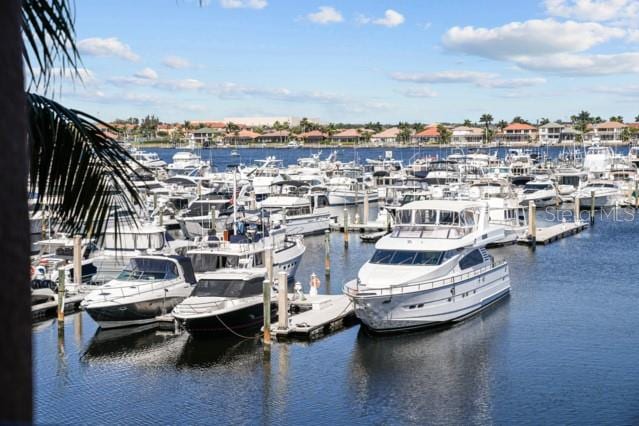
356,60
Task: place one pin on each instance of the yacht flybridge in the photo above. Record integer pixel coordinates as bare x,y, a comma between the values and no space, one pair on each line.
432,269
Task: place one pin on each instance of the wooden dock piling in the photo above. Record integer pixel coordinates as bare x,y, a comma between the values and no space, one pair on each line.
282,300
365,215
61,292
327,253
345,228
77,260
592,208
532,224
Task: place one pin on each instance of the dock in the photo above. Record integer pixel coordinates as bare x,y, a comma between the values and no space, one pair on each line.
549,234
318,316
49,309
360,227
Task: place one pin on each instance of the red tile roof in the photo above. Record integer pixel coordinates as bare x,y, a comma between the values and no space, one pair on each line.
428,132
519,126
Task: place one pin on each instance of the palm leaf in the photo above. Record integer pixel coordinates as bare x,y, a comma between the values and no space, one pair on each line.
49,40
82,175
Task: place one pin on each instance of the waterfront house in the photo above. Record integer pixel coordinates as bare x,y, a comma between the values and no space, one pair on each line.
387,136
550,133
243,136
428,135
519,133
464,135
203,136
609,132
276,136
314,136
352,135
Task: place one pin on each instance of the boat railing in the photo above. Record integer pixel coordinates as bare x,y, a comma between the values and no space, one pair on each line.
361,290
431,231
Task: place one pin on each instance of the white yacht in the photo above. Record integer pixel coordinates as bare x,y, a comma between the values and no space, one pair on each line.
607,194
432,269
598,161
187,164
541,192
147,287
344,190
299,208
150,160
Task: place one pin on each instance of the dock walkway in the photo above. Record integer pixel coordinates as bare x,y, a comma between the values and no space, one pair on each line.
320,315
549,234
49,309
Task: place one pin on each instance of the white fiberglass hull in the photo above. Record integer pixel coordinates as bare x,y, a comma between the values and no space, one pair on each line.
307,225
339,198
601,200
428,306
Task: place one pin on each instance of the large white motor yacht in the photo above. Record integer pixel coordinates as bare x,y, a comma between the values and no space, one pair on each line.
542,192
149,286
606,192
432,269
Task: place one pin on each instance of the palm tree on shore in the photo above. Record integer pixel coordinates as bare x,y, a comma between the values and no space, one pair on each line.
487,119
444,133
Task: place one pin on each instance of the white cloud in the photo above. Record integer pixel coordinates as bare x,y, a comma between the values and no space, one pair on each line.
176,62
631,91
96,46
325,15
419,92
593,10
477,78
185,84
391,19
147,73
530,38
571,64
633,36
243,4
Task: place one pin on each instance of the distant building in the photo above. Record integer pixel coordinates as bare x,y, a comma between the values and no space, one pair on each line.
428,135
387,136
519,132
212,124
464,135
204,136
552,133
268,121
351,135
314,136
243,136
610,131
280,136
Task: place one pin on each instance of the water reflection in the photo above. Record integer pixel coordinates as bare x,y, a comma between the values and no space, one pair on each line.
438,377
136,345
203,352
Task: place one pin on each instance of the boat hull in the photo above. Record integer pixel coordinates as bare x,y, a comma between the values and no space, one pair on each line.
243,321
432,307
339,198
135,313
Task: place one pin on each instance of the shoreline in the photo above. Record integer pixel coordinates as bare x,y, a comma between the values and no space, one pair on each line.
524,145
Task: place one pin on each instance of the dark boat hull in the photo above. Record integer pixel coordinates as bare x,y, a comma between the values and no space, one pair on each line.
245,322
130,314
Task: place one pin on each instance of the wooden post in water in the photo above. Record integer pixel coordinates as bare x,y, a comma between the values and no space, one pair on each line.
636,193
365,207
532,224
592,208
327,253
60,295
577,217
266,290
345,228
77,260
282,300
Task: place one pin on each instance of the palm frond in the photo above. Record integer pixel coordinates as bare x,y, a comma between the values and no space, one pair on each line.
49,40
80,174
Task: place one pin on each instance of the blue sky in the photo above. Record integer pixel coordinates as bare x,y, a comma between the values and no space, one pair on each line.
357,60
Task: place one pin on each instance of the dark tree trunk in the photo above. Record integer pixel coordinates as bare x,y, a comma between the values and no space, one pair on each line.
15,311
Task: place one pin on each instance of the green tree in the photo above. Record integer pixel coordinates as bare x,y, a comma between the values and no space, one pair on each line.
444,133
616,118
468,123
501,125
626,134
543,121
637,119
519,120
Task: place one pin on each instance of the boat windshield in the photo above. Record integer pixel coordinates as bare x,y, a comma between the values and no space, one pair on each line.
149,270
228,288
403,257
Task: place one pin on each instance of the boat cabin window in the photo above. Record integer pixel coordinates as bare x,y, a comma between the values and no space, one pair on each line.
149,270
404,257
404,217
134,241
228,288
473,258
425,217
448,218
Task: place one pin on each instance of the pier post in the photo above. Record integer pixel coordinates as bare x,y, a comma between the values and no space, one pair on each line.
266,290
155,201
345,228
282,300
532,224
365,221
77,260
327,253
592,208
577,217
636,193
61,296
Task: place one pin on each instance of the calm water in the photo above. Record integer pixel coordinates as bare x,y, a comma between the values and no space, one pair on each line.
561,349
